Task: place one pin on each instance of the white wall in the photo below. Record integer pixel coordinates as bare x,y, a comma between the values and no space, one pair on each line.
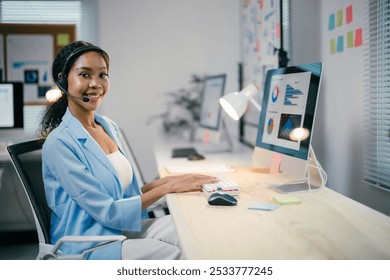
155,46
338,132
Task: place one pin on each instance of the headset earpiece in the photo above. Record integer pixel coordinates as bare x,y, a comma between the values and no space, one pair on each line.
62,83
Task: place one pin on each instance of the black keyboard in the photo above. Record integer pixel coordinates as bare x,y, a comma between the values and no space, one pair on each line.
183,152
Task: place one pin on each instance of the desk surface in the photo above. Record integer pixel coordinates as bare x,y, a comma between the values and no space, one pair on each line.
326,225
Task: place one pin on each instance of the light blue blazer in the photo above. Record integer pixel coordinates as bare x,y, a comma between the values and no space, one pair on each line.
83,189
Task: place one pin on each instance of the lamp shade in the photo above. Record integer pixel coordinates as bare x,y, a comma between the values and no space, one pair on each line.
235,103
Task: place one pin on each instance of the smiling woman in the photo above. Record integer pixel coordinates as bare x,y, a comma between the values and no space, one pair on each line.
73,56
90,185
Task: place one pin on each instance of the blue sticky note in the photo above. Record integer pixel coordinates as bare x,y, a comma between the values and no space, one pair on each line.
264,206
340,44
332,22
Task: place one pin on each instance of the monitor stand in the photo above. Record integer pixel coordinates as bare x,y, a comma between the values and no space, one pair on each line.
314,180
224,145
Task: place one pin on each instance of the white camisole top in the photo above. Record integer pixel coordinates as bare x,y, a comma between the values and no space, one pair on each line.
123,168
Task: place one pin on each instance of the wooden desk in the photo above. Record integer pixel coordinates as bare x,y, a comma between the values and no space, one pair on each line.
326,225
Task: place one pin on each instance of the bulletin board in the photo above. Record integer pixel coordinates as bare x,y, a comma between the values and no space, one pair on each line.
27,52
260,40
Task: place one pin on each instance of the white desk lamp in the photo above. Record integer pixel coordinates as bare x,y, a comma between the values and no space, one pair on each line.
235,103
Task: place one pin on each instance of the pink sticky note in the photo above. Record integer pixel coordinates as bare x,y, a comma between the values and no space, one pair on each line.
358,37
277,29
275,164
349,14
205,137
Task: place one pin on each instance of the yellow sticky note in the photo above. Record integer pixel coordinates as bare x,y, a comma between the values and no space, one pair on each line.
63,39
350,39
284,200
332,46
339,18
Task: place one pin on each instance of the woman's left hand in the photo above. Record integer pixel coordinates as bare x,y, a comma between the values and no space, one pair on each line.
173,184
187,182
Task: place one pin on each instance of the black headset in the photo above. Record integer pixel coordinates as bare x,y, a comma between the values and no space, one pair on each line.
63,80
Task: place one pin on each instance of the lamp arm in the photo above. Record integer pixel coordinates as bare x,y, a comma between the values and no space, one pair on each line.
257,105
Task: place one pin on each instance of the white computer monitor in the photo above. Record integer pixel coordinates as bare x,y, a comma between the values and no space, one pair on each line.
289,102
11,105
210,123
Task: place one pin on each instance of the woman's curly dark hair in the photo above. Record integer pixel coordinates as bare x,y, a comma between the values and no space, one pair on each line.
52,117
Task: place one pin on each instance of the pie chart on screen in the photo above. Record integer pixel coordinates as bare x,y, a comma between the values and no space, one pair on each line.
275,93
270,125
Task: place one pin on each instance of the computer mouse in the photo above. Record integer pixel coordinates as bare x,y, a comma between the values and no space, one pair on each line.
222,199
194,156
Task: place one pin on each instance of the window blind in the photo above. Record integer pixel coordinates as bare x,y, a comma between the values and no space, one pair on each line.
82,13
285,20
377,97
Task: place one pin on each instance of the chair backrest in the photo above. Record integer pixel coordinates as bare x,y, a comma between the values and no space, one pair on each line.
27,160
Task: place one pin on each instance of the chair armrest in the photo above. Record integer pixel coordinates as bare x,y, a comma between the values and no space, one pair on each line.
106,240
161,203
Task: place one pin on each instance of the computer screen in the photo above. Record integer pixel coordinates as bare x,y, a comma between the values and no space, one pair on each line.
210,110
208,132
11,105
210,120
289,103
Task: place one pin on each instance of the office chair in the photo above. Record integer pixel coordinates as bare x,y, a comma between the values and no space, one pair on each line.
26,158
159,208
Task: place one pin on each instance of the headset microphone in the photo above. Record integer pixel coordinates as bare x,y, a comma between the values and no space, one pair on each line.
85,99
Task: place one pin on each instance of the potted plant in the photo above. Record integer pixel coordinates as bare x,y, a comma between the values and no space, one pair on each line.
183,107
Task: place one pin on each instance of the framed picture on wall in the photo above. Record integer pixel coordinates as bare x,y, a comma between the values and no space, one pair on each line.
28,53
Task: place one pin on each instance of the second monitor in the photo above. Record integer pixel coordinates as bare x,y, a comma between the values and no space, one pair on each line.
212,130
210,125
11,105
210,110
